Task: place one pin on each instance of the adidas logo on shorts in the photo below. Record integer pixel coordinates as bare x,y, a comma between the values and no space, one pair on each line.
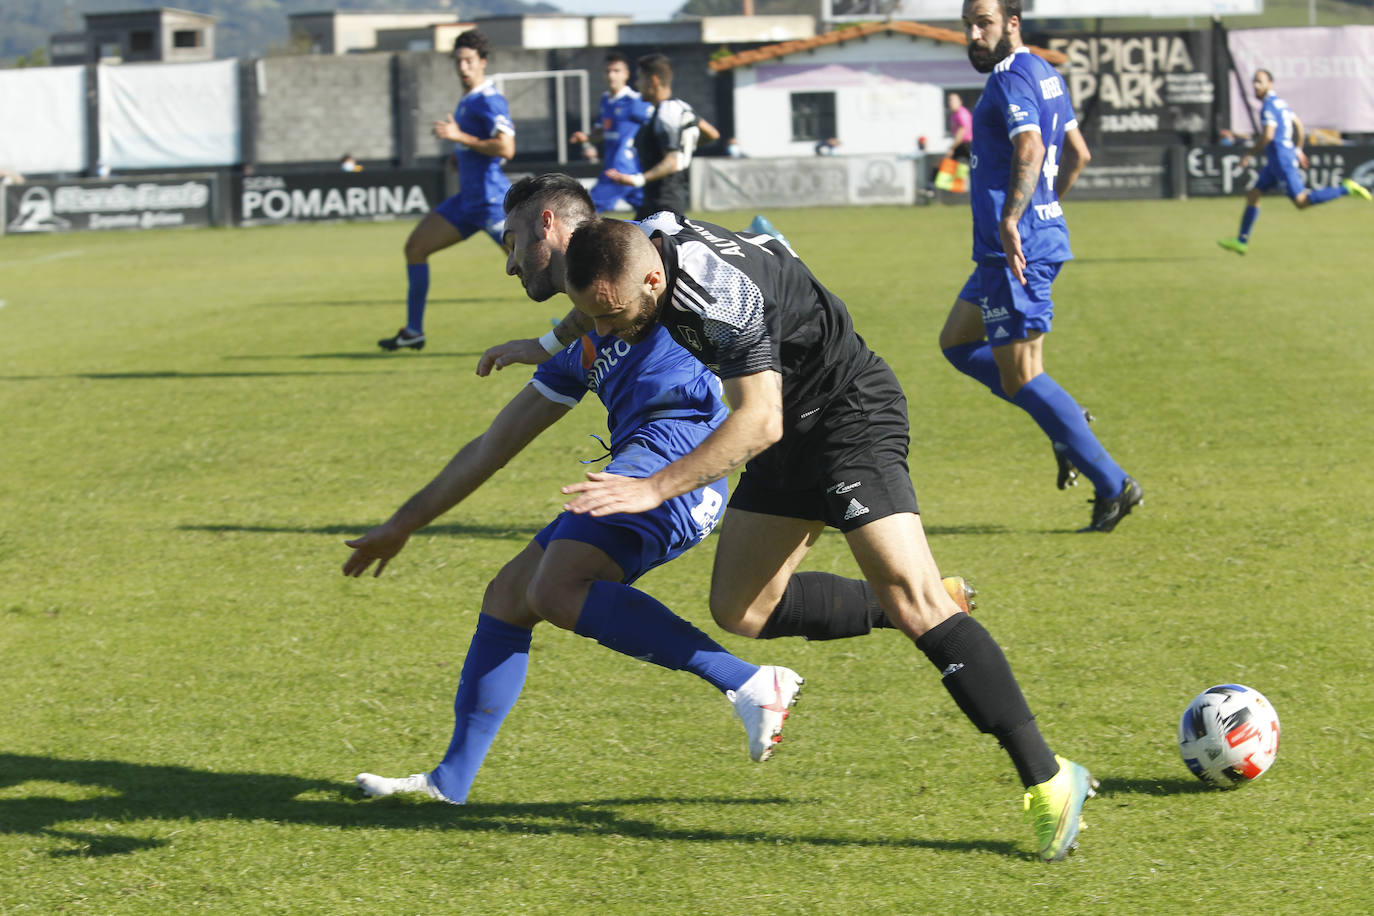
854,510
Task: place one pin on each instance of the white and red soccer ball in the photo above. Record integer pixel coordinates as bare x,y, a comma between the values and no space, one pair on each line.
1229,735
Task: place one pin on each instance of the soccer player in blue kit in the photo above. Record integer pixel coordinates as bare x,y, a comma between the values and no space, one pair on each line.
577,572
1027,152
1281,144
622,112
485,136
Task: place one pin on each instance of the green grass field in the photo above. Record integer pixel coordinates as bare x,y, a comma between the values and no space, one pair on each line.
194,421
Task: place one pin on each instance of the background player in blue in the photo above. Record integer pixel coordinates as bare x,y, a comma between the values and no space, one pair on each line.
1281,144
665,143
622,112
576,573
485,137
1027,152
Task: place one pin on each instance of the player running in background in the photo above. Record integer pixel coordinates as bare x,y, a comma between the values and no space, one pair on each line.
1281,144
485,137
819,423
576,573
665,143
622,113
1027,152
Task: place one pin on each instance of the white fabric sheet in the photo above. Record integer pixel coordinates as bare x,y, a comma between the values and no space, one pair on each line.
43,119
169,115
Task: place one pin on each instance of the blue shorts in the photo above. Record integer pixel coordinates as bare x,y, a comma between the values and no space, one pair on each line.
1281,171
638,542
1012,311
606,194
486,217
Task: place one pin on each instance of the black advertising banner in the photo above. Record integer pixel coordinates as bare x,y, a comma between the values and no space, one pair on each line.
1125,172
270,198
136,203
1140,87
1215,171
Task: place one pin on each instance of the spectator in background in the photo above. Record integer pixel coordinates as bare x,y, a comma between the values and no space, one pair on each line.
1225,137
665,143
485,137
348,164
622,113
960,128
734,150
828,147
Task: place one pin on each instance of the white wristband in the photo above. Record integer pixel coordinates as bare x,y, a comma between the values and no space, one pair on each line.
637,180
550,343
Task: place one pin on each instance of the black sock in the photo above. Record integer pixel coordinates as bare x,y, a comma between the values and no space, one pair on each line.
976,674
824,606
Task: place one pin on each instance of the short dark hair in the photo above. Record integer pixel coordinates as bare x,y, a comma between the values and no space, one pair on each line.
475,40
616,57
599,250
1010,8
1266,73
656,65
560,193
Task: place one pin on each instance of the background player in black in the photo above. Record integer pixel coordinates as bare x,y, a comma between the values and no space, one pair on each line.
819,423
665,143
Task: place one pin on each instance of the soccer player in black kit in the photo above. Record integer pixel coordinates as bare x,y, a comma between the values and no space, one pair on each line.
819,423
664,143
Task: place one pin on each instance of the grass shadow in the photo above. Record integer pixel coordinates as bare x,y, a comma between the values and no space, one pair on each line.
444,529
141,792
1170,785
390,302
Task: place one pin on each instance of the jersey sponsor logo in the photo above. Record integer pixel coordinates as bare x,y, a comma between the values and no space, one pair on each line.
1051,210
689,335
843,487
1015,113
993,312
609,357
1051,88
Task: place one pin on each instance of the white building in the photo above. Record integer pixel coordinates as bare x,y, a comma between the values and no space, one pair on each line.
877,88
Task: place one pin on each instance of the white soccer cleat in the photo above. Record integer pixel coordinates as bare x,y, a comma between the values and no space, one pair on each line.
379,786
762,704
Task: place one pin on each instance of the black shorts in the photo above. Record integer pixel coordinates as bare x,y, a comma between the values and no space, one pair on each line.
848,468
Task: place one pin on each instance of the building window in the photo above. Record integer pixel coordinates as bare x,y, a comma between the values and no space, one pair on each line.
187,38
813,115
140,42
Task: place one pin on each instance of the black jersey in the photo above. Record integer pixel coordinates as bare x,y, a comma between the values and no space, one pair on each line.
672,128
745,303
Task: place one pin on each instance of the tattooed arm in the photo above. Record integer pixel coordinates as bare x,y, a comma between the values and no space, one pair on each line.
754,423
1027,155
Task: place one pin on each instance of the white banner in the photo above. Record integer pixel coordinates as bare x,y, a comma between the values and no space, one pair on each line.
1325,75
43,119
169,115
946,10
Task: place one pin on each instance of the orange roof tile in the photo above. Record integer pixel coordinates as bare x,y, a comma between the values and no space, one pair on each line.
903,27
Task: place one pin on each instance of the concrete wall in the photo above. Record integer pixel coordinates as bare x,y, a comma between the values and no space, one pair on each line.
316,108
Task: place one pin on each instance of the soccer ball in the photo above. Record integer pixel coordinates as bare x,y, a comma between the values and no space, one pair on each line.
1229,735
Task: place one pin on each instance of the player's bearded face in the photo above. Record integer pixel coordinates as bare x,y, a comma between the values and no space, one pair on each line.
984,57
641,323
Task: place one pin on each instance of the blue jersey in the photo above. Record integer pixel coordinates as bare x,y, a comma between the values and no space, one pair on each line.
1022,93
620,118
1275,111
653,380
483,112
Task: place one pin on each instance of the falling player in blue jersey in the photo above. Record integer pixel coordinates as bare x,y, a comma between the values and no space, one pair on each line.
577,572
485,137
1027,152
622,112
1281,144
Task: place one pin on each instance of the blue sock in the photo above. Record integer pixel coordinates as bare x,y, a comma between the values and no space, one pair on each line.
417,291
1055,410
634,624
1247,222
493,676
1322,195
975,360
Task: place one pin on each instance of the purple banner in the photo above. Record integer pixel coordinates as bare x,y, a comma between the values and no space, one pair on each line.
1325,75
